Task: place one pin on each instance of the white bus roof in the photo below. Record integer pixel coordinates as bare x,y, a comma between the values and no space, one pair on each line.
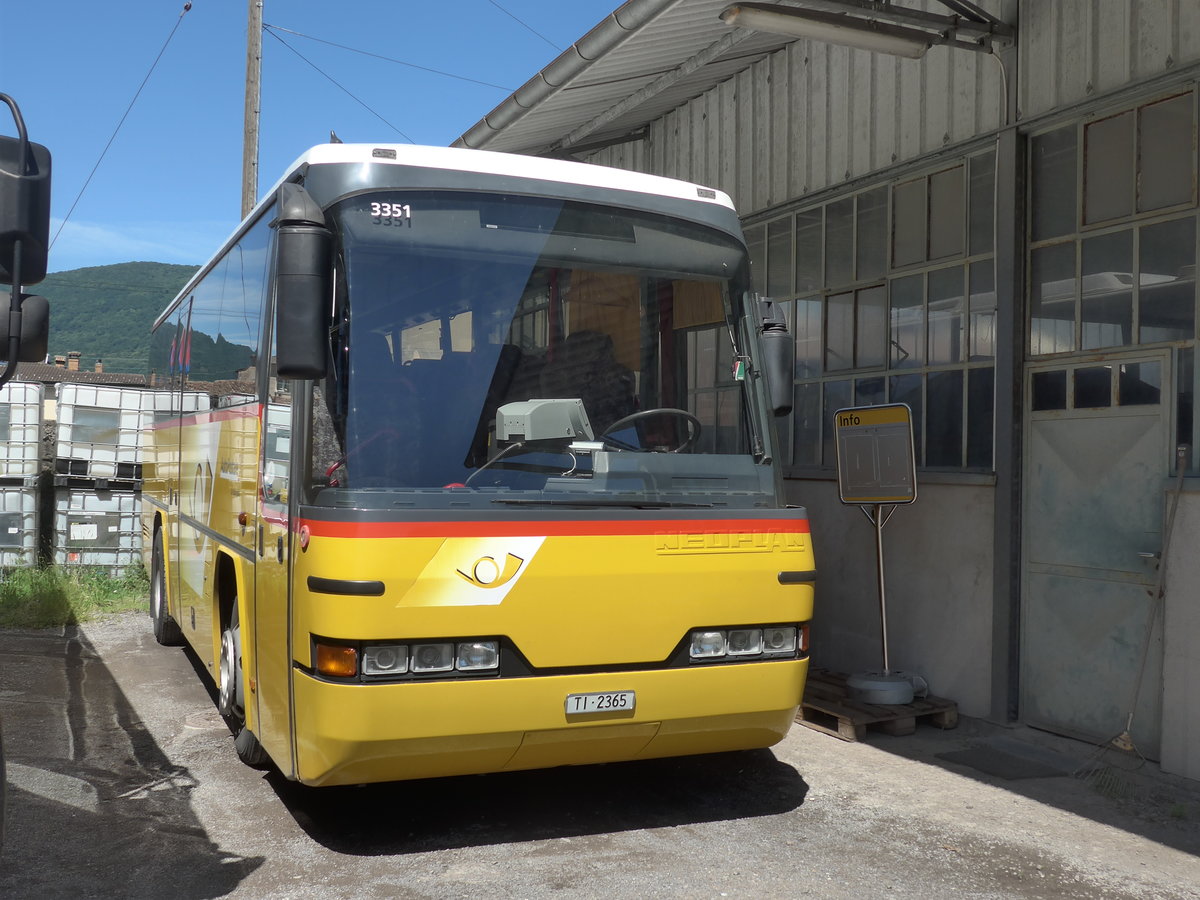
490,162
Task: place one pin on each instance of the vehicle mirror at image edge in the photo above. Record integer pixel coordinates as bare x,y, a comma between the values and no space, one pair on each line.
35,327
24,203
778,354
303,254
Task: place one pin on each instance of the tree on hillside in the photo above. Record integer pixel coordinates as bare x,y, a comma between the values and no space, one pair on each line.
105,312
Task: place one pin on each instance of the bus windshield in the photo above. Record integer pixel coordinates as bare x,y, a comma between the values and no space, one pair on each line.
493,349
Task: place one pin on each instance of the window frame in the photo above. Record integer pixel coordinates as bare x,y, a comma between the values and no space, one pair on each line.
976,170
1135,223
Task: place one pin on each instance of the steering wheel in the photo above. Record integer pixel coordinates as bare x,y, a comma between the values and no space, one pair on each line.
641,415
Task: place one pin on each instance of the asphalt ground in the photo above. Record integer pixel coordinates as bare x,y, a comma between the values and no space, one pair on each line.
123,783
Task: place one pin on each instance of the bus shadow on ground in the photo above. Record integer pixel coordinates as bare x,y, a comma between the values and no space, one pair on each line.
478,810
95,808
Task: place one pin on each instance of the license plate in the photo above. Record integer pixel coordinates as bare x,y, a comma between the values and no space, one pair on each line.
611,701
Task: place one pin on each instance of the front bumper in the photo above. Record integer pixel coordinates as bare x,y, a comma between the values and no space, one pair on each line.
357,733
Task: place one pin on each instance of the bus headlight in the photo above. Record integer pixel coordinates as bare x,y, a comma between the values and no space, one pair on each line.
432,657
708,644
477,655
780,639
398,660
385,659
745,642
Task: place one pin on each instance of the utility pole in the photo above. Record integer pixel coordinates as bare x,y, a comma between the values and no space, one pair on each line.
253,92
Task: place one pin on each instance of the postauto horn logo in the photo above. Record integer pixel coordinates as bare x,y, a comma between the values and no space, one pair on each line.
486,572
473,571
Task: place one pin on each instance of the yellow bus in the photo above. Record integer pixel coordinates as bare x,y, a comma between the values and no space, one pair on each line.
466,462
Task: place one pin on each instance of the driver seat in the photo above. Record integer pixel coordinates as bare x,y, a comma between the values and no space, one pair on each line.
585,366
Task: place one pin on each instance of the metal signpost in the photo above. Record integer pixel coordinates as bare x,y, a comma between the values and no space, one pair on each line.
876,467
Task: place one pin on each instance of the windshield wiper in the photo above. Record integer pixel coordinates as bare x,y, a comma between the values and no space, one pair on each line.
600,502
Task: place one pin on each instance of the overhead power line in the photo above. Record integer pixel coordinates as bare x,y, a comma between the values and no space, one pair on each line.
271,31
525,25
128,109
274,28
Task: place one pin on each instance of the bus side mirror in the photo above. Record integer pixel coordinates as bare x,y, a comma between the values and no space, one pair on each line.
24,205
778,355
35,327
304,251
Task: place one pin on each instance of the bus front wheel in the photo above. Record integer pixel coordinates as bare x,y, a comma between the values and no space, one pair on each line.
230,694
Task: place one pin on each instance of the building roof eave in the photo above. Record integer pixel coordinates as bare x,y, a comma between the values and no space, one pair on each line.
646,58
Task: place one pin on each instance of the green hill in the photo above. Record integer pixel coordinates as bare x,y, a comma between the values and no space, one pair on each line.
105,312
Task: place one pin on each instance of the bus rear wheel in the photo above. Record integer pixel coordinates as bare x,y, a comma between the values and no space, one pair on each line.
231,695
166,630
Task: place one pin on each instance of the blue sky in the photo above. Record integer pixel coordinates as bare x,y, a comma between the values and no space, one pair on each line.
169,186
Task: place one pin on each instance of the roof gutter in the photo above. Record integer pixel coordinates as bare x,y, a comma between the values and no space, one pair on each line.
619,25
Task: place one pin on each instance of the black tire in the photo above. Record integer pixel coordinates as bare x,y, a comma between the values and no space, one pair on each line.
249,750
230,695
166,630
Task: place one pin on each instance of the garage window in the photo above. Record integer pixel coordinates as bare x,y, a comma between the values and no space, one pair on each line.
893,301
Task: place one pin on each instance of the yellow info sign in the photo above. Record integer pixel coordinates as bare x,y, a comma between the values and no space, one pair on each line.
875,458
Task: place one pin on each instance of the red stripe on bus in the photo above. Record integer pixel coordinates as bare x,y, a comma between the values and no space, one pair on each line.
555,528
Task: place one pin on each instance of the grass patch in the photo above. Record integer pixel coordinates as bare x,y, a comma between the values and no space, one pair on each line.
52,597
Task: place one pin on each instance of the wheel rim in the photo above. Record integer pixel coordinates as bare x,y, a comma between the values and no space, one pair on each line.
156,598
156,583
227,694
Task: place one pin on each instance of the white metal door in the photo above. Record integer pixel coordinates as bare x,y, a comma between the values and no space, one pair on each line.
1097,455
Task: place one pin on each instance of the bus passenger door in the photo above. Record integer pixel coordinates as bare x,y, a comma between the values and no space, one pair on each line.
272,602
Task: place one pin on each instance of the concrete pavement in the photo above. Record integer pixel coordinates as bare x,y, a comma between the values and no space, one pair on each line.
124,783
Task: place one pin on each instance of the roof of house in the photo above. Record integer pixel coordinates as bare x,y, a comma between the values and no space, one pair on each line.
47,373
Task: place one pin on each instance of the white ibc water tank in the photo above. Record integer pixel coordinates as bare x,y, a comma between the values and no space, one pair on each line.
100,431
97,528
19,524
20,429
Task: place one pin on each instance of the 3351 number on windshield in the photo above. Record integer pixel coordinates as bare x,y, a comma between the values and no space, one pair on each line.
392,213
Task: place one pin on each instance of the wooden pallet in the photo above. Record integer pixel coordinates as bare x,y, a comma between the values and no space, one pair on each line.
828,708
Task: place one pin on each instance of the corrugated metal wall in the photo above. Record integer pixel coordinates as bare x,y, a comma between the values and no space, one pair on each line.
814,115
1072,50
